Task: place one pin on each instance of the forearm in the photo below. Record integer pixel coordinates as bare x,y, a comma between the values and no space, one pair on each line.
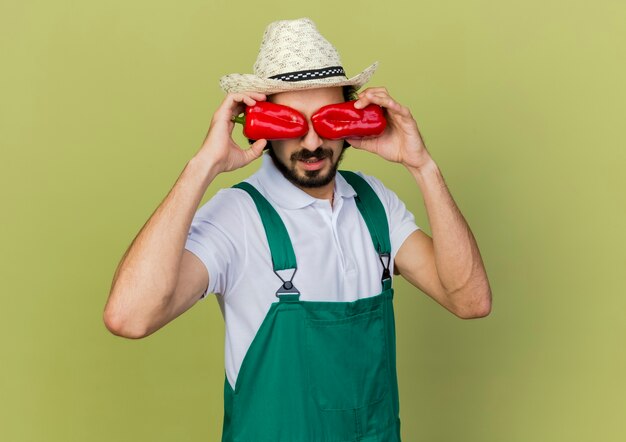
457,257
147,274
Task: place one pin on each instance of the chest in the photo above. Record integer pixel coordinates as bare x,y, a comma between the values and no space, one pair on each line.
334,253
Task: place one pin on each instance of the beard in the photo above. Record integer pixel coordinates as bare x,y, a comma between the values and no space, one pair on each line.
311,178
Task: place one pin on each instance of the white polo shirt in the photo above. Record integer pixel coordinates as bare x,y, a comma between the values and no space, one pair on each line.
334,251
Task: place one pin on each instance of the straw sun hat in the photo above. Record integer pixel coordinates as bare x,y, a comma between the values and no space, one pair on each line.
293,56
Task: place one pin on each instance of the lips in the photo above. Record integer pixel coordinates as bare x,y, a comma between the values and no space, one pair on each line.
312,163
311,160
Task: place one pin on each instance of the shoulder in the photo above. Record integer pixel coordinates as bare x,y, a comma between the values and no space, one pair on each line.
372,180
228,205
385,194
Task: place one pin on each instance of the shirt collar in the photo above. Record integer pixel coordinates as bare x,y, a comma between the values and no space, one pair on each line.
287,195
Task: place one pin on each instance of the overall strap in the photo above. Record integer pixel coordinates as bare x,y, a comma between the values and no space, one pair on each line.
373,212
281,249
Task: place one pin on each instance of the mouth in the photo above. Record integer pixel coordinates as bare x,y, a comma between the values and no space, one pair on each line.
313,163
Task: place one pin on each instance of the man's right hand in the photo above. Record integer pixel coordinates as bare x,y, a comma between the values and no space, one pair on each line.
219,150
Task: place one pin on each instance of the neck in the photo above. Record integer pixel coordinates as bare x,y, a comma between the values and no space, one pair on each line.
326,192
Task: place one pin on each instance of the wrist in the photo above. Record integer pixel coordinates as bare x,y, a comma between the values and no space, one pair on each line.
424,165
427,174
204,165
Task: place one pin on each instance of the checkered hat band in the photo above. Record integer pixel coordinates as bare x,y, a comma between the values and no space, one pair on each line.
334,71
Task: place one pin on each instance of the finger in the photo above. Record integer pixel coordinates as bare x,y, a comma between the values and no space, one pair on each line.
369,97
384,100
373,89
360,144
242,97
354,142
255,150
256,95
250,98
234,104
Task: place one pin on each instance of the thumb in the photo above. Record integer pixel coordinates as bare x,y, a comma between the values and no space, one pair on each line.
255,150
355,142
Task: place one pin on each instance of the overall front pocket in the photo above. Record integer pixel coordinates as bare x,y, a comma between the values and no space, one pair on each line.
347,360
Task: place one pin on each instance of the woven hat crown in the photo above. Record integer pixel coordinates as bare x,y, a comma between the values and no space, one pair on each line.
294,56
293,46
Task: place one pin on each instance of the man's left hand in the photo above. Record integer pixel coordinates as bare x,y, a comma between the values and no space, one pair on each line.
401,142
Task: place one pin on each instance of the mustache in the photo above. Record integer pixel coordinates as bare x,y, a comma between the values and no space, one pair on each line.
306,154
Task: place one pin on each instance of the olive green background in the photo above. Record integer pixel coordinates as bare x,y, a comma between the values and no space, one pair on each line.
521,104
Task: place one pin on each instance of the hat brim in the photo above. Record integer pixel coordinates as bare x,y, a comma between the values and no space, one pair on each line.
250,82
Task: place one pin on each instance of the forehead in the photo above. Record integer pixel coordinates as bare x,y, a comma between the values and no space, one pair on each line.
308,100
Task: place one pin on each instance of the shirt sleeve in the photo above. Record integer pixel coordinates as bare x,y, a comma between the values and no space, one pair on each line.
401,220
214,240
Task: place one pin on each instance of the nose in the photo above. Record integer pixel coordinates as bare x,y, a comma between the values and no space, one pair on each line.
311,139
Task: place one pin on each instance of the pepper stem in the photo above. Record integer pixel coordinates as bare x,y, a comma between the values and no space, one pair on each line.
241,119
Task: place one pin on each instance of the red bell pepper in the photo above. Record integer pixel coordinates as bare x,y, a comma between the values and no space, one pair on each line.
343,120
272,121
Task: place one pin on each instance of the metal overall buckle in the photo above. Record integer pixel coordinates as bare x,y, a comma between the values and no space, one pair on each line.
386,272
287,288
